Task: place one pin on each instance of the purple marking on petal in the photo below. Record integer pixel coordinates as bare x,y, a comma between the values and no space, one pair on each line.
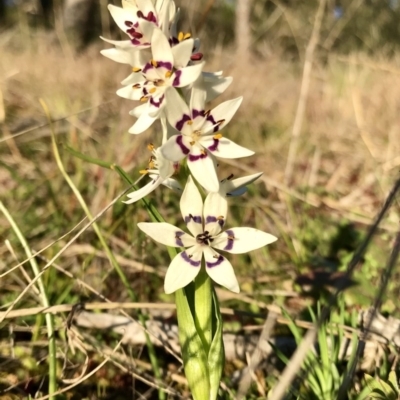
211,119
201,156
188,259
211,218
231,239
135,41
219,261
179,125
164,64
196,113
173,41
179,142
128,23
178,239
177,78
157,104
214,146
134,34
196,218
148,66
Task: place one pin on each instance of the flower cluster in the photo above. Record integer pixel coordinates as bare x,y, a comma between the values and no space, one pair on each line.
169,81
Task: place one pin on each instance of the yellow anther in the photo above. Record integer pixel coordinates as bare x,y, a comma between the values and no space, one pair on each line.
180,36
217,136
168,74
143,172
192,143
136,69
154,63
136,86
143,99
151,164
187,36
150,146
190,122
152,90
202,151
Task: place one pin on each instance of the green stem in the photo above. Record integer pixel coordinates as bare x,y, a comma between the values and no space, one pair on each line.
45,301
203,307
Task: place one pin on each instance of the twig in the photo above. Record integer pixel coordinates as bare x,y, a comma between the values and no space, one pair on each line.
305,85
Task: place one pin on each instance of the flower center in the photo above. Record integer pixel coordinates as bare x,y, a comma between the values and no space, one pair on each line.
204,238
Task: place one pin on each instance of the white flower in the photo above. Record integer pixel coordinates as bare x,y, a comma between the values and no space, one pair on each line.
230,187
138,18
205,224
160,171
152,81
199,137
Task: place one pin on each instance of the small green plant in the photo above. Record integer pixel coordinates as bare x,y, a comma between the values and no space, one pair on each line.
383,390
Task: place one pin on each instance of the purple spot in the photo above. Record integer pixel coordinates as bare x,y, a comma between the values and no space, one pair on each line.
189,260
156,104
214,146
178,240
134,34
190,217
211,218
231,238
219,261
196,56
128,23
177,79
181,122
179,142
196,113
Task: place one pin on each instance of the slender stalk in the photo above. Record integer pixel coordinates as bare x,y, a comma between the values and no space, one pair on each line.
45,301
203,308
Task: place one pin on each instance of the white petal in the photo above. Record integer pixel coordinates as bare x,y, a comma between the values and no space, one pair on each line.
175,148
118,55
128,92
133,79
220,270
192,207
182,52
177,110
236,187
242,240
215,211
143,123
198,97
203,168
225,111
167,234
121,15
172,184
225,148
187,75
216,87
139,110
144,191
161,48
123,44
182,270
